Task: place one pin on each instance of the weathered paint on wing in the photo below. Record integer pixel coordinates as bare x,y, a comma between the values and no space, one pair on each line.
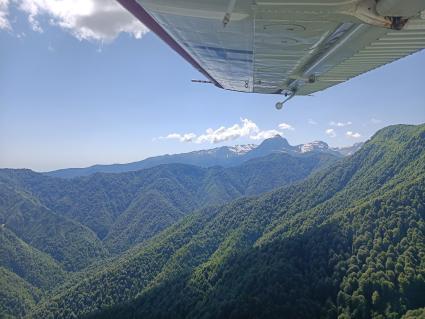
276,46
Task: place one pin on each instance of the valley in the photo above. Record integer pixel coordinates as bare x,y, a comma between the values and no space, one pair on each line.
305,234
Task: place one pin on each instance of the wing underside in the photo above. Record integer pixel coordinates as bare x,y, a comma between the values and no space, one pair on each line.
272,46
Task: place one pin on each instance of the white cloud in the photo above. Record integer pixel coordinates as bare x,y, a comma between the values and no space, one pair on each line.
262,135
312,122
375,121
340,124
331,132
246,128
353,135
4,13
230,133
100,20
188,137
286,126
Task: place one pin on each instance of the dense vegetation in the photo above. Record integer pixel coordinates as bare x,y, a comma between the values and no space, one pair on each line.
70,243
128,208
52,227
36,267
348,242
166,199
17,296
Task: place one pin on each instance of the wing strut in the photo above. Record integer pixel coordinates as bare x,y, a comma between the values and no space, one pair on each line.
289,95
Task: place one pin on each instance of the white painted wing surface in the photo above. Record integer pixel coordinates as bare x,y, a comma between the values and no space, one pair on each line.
277,46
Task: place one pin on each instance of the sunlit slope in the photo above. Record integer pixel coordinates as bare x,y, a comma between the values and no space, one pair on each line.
25,274
68,242
347,242
128,208
179,189
17,296
36,267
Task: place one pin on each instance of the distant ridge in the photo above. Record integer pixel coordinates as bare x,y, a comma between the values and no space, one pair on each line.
346,242
225,156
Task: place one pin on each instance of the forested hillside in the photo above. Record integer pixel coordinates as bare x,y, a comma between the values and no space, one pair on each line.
17,296
176,190
348,242
36,267
24,274
52,227
67,241
128,208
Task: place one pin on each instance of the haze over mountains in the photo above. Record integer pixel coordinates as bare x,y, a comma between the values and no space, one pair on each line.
51,227
225,156
300,234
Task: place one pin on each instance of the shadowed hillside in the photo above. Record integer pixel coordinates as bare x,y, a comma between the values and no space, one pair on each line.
347,242
53,230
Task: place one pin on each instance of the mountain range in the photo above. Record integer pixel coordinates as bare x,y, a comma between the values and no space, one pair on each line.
52,228
225,156
347,242
300,234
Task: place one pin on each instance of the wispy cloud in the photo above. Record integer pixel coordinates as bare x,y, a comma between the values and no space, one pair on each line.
340,124
353,134
330,132
375,121
4,13
312,122
99,20
246,128
286,126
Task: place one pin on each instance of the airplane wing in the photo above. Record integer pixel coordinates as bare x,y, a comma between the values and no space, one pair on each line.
285,46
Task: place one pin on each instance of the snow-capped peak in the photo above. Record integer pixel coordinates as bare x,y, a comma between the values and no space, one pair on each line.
314,146
242,149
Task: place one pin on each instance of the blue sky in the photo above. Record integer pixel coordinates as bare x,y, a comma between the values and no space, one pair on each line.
72,95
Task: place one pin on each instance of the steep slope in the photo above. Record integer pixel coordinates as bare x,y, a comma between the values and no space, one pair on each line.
225,156
128,208
93,201
17,296
179,189
279,169
347,242
69,243
36,267
166,194
277,144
